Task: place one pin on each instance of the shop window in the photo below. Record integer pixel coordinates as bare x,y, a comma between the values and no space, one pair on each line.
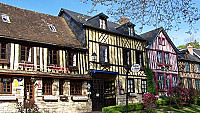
6,85
102,23
189,80
103,54
166,58
161,83
76,87
126,57
131,86
159,57
73,59
187,65
144,85
52,56
47,86
139,58
174,80
26,54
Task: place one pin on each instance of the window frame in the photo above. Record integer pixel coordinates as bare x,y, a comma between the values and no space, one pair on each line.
71,59
162,84
102,23
28,52
174,85
139,60
163,41
159,40
161,57
46,90
187,66
197,84
130,31
51,56
104,55
2,85
131,86
144,86
189,81
167,81
6,51
77,87
198,68
126,56
166,59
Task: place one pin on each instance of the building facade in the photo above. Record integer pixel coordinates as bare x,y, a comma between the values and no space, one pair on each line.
111,47
42,62
189,67
162,59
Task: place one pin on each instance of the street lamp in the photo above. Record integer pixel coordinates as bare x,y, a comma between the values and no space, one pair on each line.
94,56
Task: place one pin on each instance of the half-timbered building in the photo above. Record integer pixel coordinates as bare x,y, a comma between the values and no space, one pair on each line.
189,67
111,47
41,61
162,59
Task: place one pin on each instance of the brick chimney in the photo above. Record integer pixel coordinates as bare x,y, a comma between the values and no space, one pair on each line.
190,49
123,20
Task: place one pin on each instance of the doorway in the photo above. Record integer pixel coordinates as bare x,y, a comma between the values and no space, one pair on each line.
29,89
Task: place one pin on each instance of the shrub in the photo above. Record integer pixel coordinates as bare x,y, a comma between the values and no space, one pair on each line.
150,80
149,101
197,102
178,95
193,94
162,102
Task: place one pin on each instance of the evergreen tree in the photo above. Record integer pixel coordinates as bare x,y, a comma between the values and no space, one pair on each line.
150,80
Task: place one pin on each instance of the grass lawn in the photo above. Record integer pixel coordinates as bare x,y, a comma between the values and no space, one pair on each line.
163,109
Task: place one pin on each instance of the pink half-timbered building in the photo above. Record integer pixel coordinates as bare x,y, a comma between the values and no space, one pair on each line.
162,59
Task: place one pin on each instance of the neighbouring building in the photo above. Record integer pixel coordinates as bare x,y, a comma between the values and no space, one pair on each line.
41,61
111,47
162,59
189,67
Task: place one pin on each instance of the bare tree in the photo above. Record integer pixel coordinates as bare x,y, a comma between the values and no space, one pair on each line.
167,13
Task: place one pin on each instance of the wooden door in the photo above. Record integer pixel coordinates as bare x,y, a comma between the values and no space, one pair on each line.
109,93
29,89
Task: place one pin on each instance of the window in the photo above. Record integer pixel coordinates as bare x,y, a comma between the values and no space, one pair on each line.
3,50
189,82
102,23
73,59
197,84
144,85
161,83
52,28
26,54
61,83
174,80
166,58
159,57
139,58
126,57
6,85
76,88
103,54
5,18
159,41
198,68
131,86
53,56
167,82
47,86
130,31
187,65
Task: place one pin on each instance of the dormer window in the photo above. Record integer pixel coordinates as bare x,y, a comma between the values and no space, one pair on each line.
5,18
102,23
52,28
130,31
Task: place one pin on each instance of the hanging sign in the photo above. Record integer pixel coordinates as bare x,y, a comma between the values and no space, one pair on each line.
135,68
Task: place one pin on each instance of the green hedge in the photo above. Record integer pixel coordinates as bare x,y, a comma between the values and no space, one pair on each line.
197,102
162,102
122,108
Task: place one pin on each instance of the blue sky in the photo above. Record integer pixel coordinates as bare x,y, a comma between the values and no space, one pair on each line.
53,7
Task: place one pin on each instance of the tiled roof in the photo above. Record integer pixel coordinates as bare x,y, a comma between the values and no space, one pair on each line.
111,26
193,58
152,35
33,26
